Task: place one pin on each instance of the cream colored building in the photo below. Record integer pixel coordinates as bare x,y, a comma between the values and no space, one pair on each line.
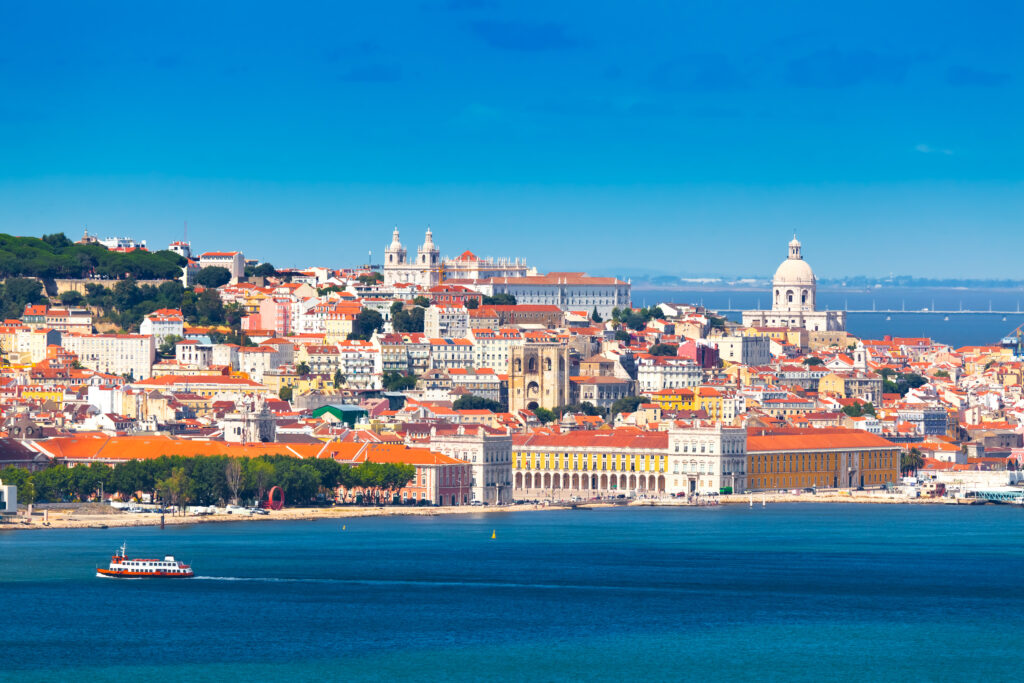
794,290
115,354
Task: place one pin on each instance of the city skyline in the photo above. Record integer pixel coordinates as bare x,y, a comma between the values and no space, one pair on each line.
554,134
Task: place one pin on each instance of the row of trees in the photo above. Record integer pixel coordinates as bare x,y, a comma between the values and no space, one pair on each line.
208,480
55,256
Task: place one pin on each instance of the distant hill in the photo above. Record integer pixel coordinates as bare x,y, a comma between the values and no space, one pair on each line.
55,256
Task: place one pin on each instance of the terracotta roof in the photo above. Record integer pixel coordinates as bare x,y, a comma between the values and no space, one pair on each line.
768,440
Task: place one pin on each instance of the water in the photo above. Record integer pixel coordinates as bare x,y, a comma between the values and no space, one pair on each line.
784,592
958,330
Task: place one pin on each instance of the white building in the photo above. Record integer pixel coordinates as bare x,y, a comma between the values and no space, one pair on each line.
488,451
115,354
8,499
256,361
225,354
568,291
163,323
707,459
428,268
667,372
191,352
33,343
746,350
423,271
181,249
492,348
446,354
794,289
440,320
360,363
234,261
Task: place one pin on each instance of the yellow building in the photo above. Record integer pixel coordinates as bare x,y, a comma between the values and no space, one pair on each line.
821,458
590,461
42,393
673,399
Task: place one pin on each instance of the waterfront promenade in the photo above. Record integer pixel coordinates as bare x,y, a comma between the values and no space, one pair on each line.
94,516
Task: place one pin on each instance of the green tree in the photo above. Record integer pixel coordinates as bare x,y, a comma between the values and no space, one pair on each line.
421,301
366,323
472,304
285,393
471,402
544,415
393,381
911,461
626,404
233,472
176,488
812,361
663,350
71,298
371,279
302,369
339,379
499,300
595,316
622,336
209,308
259,473
21,478
167,346
213,277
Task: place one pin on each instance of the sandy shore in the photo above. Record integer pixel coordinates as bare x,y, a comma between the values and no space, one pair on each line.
77,519
72,519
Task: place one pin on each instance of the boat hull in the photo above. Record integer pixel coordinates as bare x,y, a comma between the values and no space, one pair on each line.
106,573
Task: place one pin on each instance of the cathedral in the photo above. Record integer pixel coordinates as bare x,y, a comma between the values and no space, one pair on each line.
428,269
793,299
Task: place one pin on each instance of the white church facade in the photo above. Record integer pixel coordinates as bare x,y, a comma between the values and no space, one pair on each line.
427,269
794,290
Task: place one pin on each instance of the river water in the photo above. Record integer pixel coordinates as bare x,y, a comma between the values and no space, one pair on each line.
954,329
786,592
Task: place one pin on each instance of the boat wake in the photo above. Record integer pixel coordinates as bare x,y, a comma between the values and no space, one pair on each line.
409,582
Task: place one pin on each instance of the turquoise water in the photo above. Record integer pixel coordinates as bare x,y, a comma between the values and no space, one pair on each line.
787,592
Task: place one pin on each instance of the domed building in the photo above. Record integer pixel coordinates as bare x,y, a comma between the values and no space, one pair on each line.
793,299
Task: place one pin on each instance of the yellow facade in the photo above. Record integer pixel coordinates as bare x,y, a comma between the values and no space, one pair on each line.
44,394
821,469
528,460
673,399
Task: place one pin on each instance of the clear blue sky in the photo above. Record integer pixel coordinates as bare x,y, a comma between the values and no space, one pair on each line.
684,137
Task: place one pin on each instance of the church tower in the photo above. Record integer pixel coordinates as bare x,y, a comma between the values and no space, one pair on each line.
394,253
428,259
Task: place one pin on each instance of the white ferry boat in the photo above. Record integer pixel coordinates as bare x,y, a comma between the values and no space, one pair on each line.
123,567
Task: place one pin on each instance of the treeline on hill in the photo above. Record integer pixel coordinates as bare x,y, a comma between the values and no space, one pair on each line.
209,480
127,302
55,256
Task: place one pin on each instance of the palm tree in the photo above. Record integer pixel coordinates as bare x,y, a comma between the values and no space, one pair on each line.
302,369
911,461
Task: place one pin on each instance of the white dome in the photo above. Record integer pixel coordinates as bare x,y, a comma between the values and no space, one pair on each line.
794,271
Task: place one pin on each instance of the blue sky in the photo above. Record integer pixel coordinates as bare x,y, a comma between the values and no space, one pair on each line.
675,137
